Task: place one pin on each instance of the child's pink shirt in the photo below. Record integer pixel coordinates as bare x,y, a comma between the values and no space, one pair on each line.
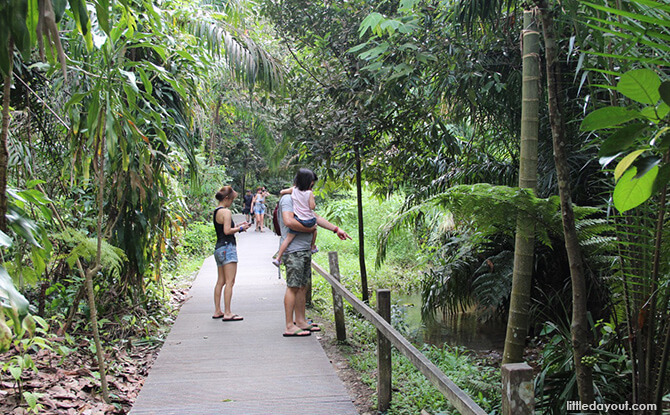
301,204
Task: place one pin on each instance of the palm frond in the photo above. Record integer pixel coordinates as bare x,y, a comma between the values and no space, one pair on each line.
246,59
641,26
219,27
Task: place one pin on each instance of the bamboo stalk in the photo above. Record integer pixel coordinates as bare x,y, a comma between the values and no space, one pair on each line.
524,243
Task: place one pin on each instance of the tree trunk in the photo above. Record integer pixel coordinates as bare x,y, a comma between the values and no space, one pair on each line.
100,164
361,233
524,246
215,125
580,326
3,140
654,336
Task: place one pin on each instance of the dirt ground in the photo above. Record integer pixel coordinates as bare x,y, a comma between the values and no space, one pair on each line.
65,383
360,393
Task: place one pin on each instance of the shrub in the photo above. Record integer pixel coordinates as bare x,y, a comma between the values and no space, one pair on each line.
199,239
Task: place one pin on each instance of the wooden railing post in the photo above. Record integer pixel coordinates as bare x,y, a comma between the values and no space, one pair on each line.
461,401
383,353
338,307
518,395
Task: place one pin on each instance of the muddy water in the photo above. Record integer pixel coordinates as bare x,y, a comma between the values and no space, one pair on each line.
462,329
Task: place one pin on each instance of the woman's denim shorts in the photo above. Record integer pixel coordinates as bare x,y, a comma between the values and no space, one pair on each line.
225,255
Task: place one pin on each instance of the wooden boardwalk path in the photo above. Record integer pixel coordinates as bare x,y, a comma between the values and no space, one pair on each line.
207,366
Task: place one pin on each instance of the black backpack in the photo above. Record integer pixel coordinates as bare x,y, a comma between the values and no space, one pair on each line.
275,220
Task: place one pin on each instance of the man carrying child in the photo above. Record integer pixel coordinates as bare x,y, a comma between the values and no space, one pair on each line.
297,258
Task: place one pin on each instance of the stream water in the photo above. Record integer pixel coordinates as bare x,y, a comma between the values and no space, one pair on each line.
462,329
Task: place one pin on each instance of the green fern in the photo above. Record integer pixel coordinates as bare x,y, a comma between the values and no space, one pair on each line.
468,232
84,248
493,284
490,210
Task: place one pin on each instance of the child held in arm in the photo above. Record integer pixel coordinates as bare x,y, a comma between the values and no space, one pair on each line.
303,210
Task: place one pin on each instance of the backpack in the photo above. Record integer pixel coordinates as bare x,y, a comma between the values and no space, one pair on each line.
275,220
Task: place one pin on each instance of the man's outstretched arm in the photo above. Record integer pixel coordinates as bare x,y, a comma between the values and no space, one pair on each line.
327,225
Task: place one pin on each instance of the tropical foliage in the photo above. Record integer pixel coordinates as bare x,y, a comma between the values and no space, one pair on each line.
120,120
412,52
102,136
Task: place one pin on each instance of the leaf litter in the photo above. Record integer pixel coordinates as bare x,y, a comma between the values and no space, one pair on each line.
69,384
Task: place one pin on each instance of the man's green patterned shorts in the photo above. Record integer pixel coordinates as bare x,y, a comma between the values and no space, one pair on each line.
298,268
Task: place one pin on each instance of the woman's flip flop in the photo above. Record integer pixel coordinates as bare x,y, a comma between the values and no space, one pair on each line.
233,318
299,333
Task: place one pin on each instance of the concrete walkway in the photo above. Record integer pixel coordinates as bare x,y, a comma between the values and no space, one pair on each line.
207,366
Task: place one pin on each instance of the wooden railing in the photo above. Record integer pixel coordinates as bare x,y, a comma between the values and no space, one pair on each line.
518,397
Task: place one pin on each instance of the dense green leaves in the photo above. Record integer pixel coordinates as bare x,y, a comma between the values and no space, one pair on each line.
637,171
632,44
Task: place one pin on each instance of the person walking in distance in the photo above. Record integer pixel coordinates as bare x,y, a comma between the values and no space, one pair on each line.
248,197
258,207
225,253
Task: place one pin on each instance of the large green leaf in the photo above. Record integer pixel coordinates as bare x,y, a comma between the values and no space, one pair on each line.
655,114
621,139
9,293
102,12
78,8
631,192
640,85
608,117
59,9
32,19
625,163
370,22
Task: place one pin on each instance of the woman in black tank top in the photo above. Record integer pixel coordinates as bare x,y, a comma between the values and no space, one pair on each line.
225,253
